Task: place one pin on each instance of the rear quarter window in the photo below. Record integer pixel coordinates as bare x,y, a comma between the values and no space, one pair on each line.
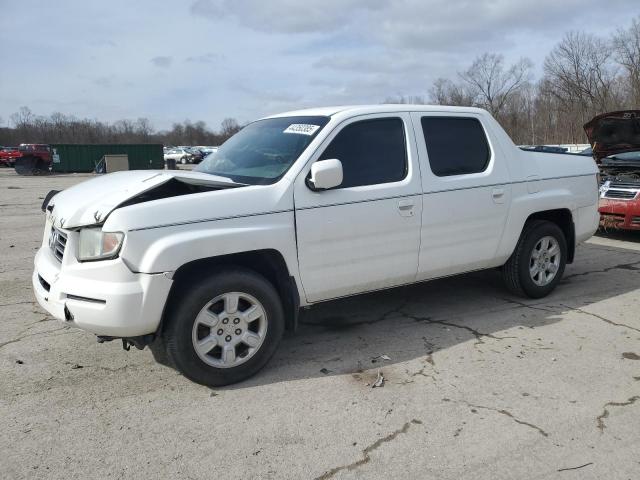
455,145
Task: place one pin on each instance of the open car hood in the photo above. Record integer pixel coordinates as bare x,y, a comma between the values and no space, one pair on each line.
614,132
90,202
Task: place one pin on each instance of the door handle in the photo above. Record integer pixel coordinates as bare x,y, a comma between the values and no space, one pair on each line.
406,208
498,195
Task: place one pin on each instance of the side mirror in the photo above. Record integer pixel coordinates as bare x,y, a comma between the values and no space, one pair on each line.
325,174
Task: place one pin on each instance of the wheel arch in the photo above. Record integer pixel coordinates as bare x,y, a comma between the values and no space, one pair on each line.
268,262
564,219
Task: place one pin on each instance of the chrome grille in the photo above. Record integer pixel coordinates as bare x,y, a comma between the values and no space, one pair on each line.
614,192
629,185
57,242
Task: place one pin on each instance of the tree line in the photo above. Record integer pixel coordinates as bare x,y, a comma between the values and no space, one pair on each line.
60,128
583,75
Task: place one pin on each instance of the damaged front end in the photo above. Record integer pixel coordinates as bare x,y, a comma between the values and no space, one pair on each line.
615,140
90,203
80,275
620,191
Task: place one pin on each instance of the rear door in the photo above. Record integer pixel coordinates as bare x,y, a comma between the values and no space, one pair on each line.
365,234
466,194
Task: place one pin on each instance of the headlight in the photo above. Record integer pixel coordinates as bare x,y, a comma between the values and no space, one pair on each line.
98,245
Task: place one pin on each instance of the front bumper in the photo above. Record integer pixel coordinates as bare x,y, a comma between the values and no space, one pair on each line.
622,214
102,297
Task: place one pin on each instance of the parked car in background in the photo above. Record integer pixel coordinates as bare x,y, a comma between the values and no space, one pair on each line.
207,150
210,267
545,148
35,158
8,156
196,154
615,140
587,152
179,155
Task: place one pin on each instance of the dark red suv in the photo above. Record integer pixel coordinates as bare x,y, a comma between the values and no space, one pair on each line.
34,158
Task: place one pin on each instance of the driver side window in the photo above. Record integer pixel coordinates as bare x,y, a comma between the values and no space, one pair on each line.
371,151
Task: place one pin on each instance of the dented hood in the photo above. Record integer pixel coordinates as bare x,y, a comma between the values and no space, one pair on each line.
613,133
91,202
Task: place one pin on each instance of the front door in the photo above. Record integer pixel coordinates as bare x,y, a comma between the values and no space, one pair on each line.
364,234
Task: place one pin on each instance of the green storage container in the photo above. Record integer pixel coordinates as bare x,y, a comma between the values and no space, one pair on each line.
84,158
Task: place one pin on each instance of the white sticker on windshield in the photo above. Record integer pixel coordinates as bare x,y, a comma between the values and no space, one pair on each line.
302,128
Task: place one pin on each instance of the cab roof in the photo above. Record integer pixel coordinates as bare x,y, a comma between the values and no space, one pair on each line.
353,110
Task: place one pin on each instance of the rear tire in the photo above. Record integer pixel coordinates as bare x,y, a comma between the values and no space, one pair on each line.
538,262
210,337
25,165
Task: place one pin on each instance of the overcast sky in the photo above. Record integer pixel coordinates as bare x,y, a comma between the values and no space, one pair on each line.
171,60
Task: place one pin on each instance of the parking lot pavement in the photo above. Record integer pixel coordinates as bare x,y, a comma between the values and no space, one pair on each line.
479,384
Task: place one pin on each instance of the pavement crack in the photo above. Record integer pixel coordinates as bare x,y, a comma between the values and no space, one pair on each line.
605,411
621,266
511,416
600,317
574,468
21,336
477,334
526,305
16,303
366,457
422,373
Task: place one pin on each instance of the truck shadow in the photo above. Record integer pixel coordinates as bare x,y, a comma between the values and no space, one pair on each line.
349,336
623,235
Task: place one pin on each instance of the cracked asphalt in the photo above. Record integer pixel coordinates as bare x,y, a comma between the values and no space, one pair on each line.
478,385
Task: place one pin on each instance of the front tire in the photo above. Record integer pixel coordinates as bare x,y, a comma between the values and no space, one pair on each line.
183,160
225,329
538,262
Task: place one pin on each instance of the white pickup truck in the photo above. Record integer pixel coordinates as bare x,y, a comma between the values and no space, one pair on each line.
211,266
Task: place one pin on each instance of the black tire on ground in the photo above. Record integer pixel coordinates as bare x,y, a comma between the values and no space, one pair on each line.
25,165
516,271
183,160
42,167
159,351
181,316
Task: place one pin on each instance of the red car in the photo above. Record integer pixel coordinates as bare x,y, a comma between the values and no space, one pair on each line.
8,156
615,138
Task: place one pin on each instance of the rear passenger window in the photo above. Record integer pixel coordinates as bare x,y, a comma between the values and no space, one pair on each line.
456,146
371,152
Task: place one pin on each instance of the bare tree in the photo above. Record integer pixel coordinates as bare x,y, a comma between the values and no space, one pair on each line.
61,128
626,44
143,127
492,85
229,127
405,99
445,92
22,117
580,74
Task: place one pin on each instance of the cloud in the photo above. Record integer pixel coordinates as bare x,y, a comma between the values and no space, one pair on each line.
286,16
413,24
106,82
375,62
210,58
249,58
162,62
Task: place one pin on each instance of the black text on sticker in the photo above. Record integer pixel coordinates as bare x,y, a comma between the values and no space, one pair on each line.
302,128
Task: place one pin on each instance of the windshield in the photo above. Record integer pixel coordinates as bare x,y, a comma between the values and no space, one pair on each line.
263,151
